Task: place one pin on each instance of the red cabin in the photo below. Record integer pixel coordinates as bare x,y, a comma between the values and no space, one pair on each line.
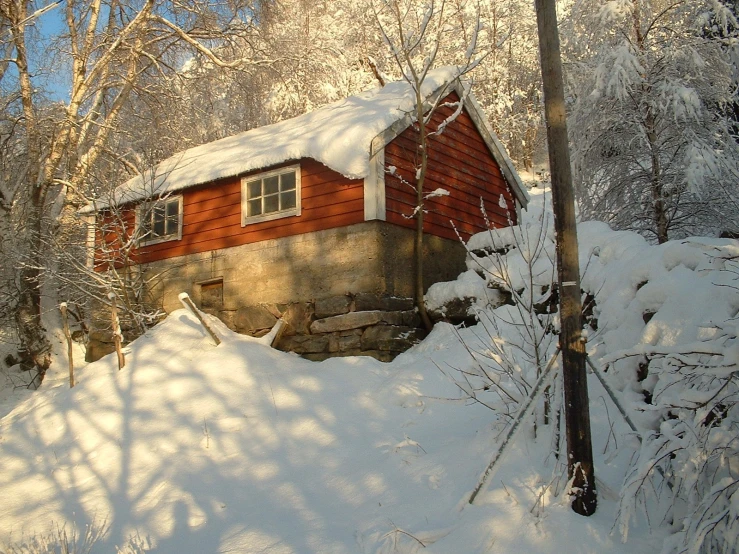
316,212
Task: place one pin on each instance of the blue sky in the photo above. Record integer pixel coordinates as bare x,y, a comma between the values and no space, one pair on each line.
48,25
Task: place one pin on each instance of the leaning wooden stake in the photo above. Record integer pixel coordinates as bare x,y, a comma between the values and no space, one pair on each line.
68,335
533,395
613,397
622,411
185,299
117,335
273,337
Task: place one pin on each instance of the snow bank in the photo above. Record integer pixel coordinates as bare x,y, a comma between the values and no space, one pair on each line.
662,325
241,448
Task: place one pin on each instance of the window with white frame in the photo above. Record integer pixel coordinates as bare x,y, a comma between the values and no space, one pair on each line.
270,195
160,220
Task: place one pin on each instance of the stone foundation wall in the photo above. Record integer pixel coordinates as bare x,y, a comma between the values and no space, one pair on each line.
355,271
364,324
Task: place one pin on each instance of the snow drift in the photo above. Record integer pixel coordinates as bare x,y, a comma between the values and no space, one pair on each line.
241,448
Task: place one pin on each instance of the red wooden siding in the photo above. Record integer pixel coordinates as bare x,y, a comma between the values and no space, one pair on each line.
112,231
212,213
460,162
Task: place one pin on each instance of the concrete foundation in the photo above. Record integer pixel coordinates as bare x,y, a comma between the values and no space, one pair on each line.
373,257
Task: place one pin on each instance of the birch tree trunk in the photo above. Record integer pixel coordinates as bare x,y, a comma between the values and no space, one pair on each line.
113,45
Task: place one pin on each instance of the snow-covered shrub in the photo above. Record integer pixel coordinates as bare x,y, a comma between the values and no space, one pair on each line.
663,330
688,465
515,263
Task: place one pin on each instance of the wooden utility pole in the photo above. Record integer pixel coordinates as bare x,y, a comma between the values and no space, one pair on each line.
571,341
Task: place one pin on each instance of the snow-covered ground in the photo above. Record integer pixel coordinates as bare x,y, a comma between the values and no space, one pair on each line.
241,448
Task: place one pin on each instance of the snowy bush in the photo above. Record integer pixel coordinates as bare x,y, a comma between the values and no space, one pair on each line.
663,328
514,263
688,464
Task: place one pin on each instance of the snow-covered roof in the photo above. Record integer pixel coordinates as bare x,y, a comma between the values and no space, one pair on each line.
338,135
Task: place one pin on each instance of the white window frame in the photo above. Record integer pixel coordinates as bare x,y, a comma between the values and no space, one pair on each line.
147,209
247,220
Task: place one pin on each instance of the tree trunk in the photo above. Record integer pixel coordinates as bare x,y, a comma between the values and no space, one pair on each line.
68,337
418,284
37,348
577,414
418,243
659,210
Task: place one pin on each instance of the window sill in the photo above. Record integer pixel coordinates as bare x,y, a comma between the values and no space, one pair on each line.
269,217
158,240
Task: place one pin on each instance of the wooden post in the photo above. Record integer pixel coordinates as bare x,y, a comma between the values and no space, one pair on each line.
187,302
276,332
117,335
571,341
68,335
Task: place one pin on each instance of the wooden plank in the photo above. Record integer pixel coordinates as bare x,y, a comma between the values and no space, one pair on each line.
233,199
185,299
471,141
448,178
454,209
218,241
331,187
442,218
232,224
461,189
222,187
431,229
326,196
216,213
480,169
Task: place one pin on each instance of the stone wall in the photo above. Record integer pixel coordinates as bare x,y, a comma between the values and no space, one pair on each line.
364,324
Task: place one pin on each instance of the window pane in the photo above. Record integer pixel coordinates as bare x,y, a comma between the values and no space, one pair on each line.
160,219
271,185
271,203
254,207
158,224
287,181
287,199
173,208
157,221
144,220
270,195
172,225
253,189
